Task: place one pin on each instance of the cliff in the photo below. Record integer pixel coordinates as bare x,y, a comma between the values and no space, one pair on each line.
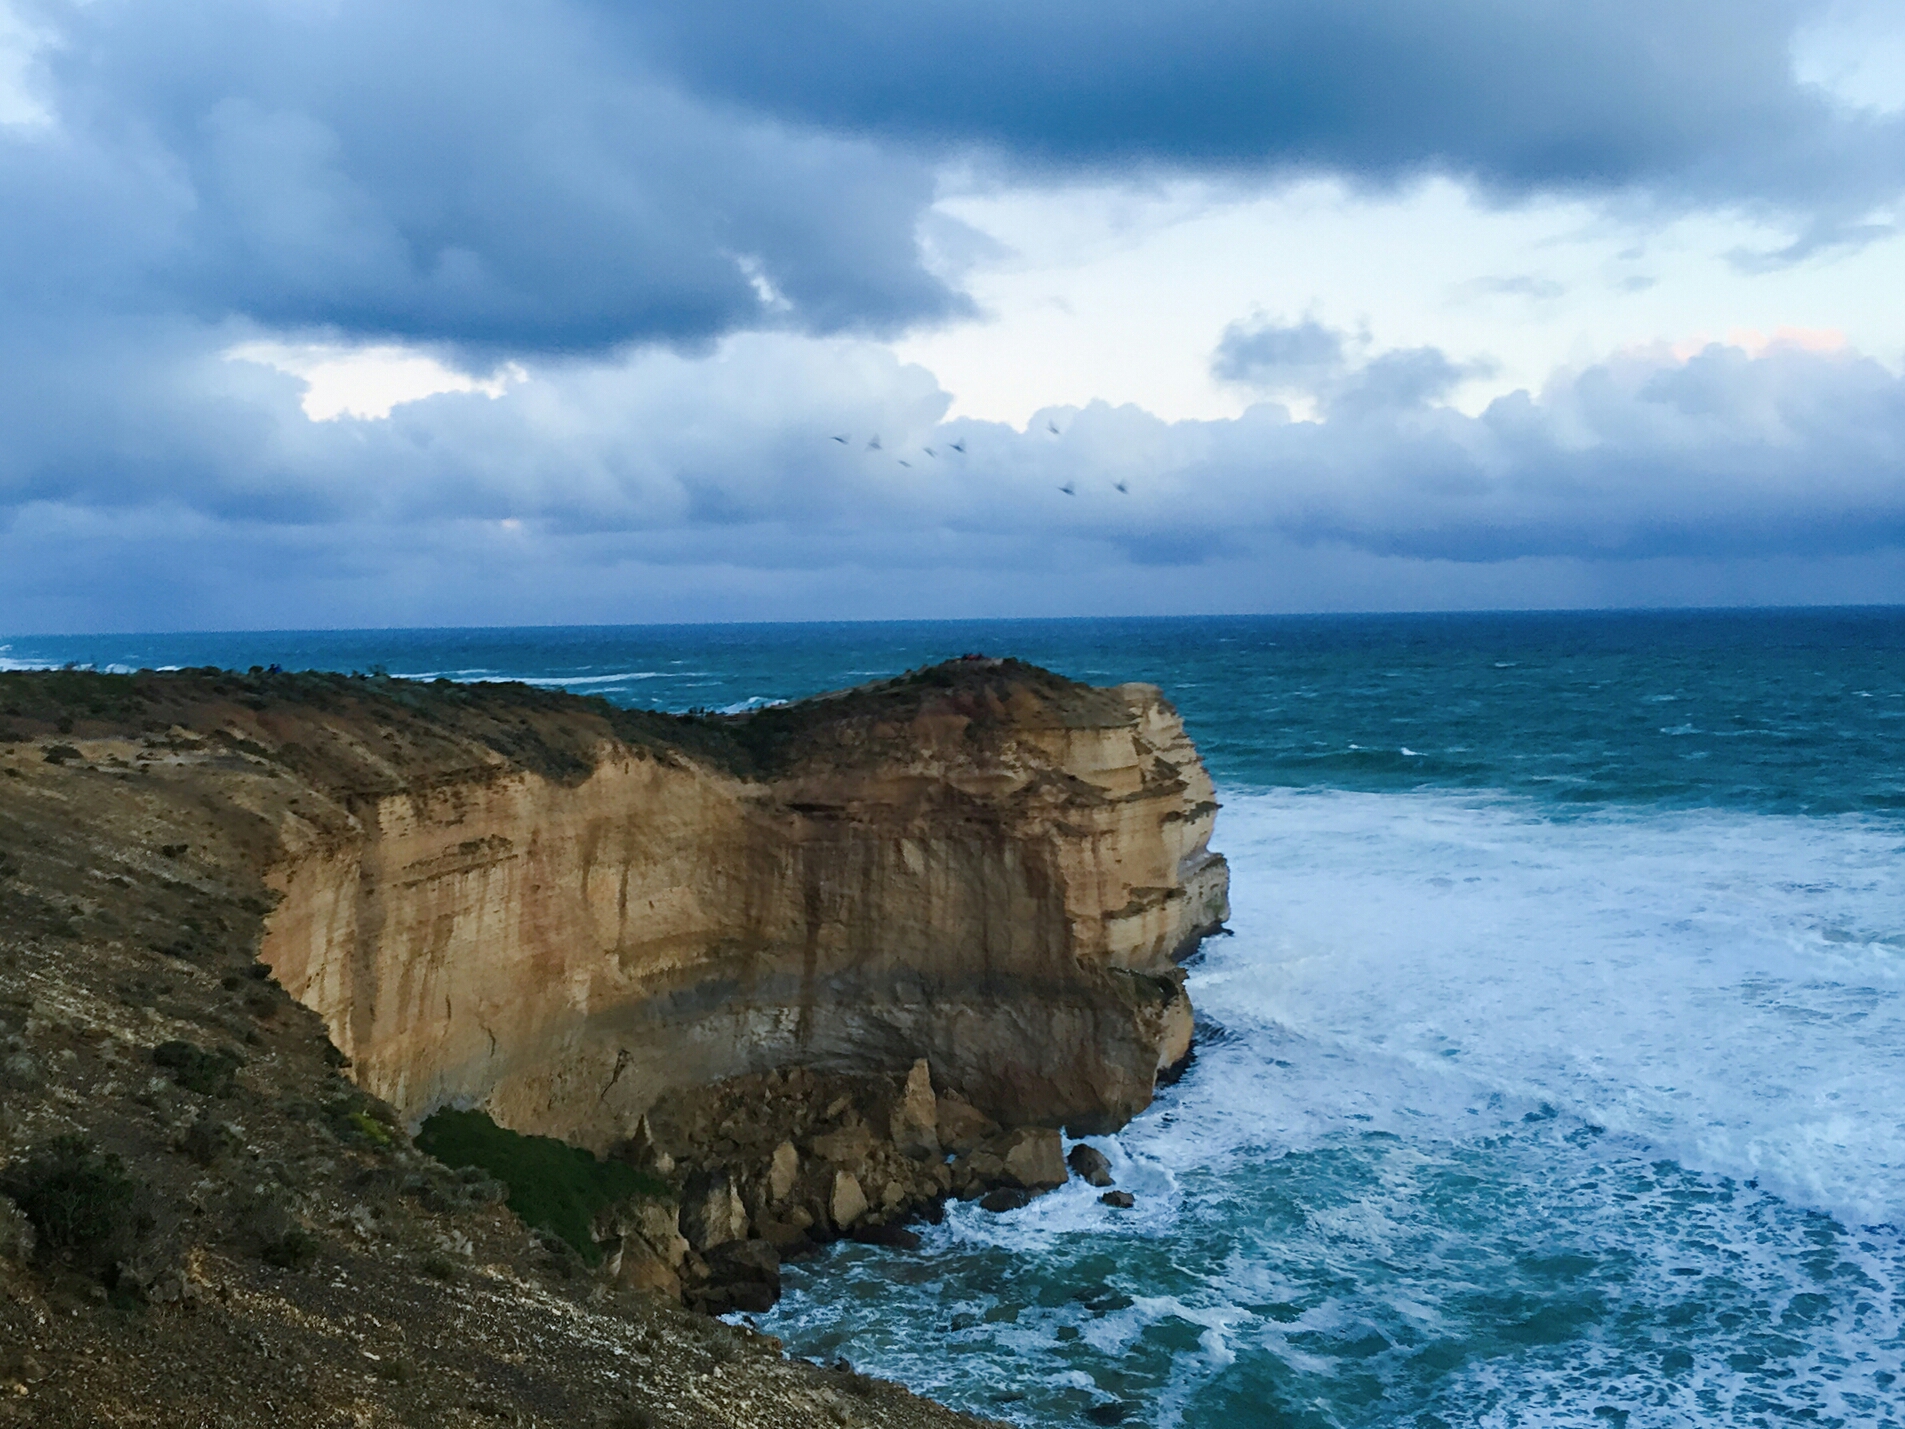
201,1219
983,865
829,948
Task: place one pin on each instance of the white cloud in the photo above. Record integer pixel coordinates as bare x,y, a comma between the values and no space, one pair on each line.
21,100
368,382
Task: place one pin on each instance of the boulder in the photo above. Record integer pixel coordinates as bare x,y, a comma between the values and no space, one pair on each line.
641,1268
712,1212
783,1170
1005,1198
915,1120
848,1202
960,1125
1033,1157
658,1223
846,1147
1118,1200
1090,1165
742,1275
641,1150
782,1234
892,1237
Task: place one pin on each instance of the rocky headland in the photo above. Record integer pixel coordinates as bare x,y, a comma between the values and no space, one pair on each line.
801,974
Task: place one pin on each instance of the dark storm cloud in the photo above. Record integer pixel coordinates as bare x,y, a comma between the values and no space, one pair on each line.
489,174
564,175
1689,97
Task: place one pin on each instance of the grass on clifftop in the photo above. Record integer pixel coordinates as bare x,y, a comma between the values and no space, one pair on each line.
553,1186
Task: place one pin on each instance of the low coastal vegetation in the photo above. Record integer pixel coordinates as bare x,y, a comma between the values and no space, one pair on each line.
553,1186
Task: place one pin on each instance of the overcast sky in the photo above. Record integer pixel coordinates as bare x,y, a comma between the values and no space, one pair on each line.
332,312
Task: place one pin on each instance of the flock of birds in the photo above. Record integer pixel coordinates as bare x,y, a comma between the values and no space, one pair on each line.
1070,488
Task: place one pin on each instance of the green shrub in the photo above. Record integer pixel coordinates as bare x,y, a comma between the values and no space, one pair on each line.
362,1121
209,1074
553,1186
81,1201
438,1266
206,1141
371,1129
293,1250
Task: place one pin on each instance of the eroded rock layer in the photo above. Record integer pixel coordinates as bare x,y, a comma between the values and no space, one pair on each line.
983,865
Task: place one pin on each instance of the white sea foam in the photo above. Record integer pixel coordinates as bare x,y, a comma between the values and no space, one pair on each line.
1728,987
7,663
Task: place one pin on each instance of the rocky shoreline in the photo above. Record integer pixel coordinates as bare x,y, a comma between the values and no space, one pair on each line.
771,1168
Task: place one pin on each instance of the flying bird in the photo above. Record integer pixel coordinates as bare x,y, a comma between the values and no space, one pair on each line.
1051,426
1122,487
841,440
905,463
931,453
960,447
1069,488
874,444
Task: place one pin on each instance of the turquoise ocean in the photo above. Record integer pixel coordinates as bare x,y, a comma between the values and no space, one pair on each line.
1552,1071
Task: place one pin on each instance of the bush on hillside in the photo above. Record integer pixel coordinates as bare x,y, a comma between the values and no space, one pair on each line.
80,1200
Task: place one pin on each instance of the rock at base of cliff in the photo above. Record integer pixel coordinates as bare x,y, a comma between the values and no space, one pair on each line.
915,1119
1090,1165
712,1212
1033,1156
783,1170
892,1237
1118,1200
742,1275
639,1267
1005,1198
848,1202
789,1231
960,1125
848,1147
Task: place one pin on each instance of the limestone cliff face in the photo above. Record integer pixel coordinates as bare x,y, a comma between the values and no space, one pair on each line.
983,865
